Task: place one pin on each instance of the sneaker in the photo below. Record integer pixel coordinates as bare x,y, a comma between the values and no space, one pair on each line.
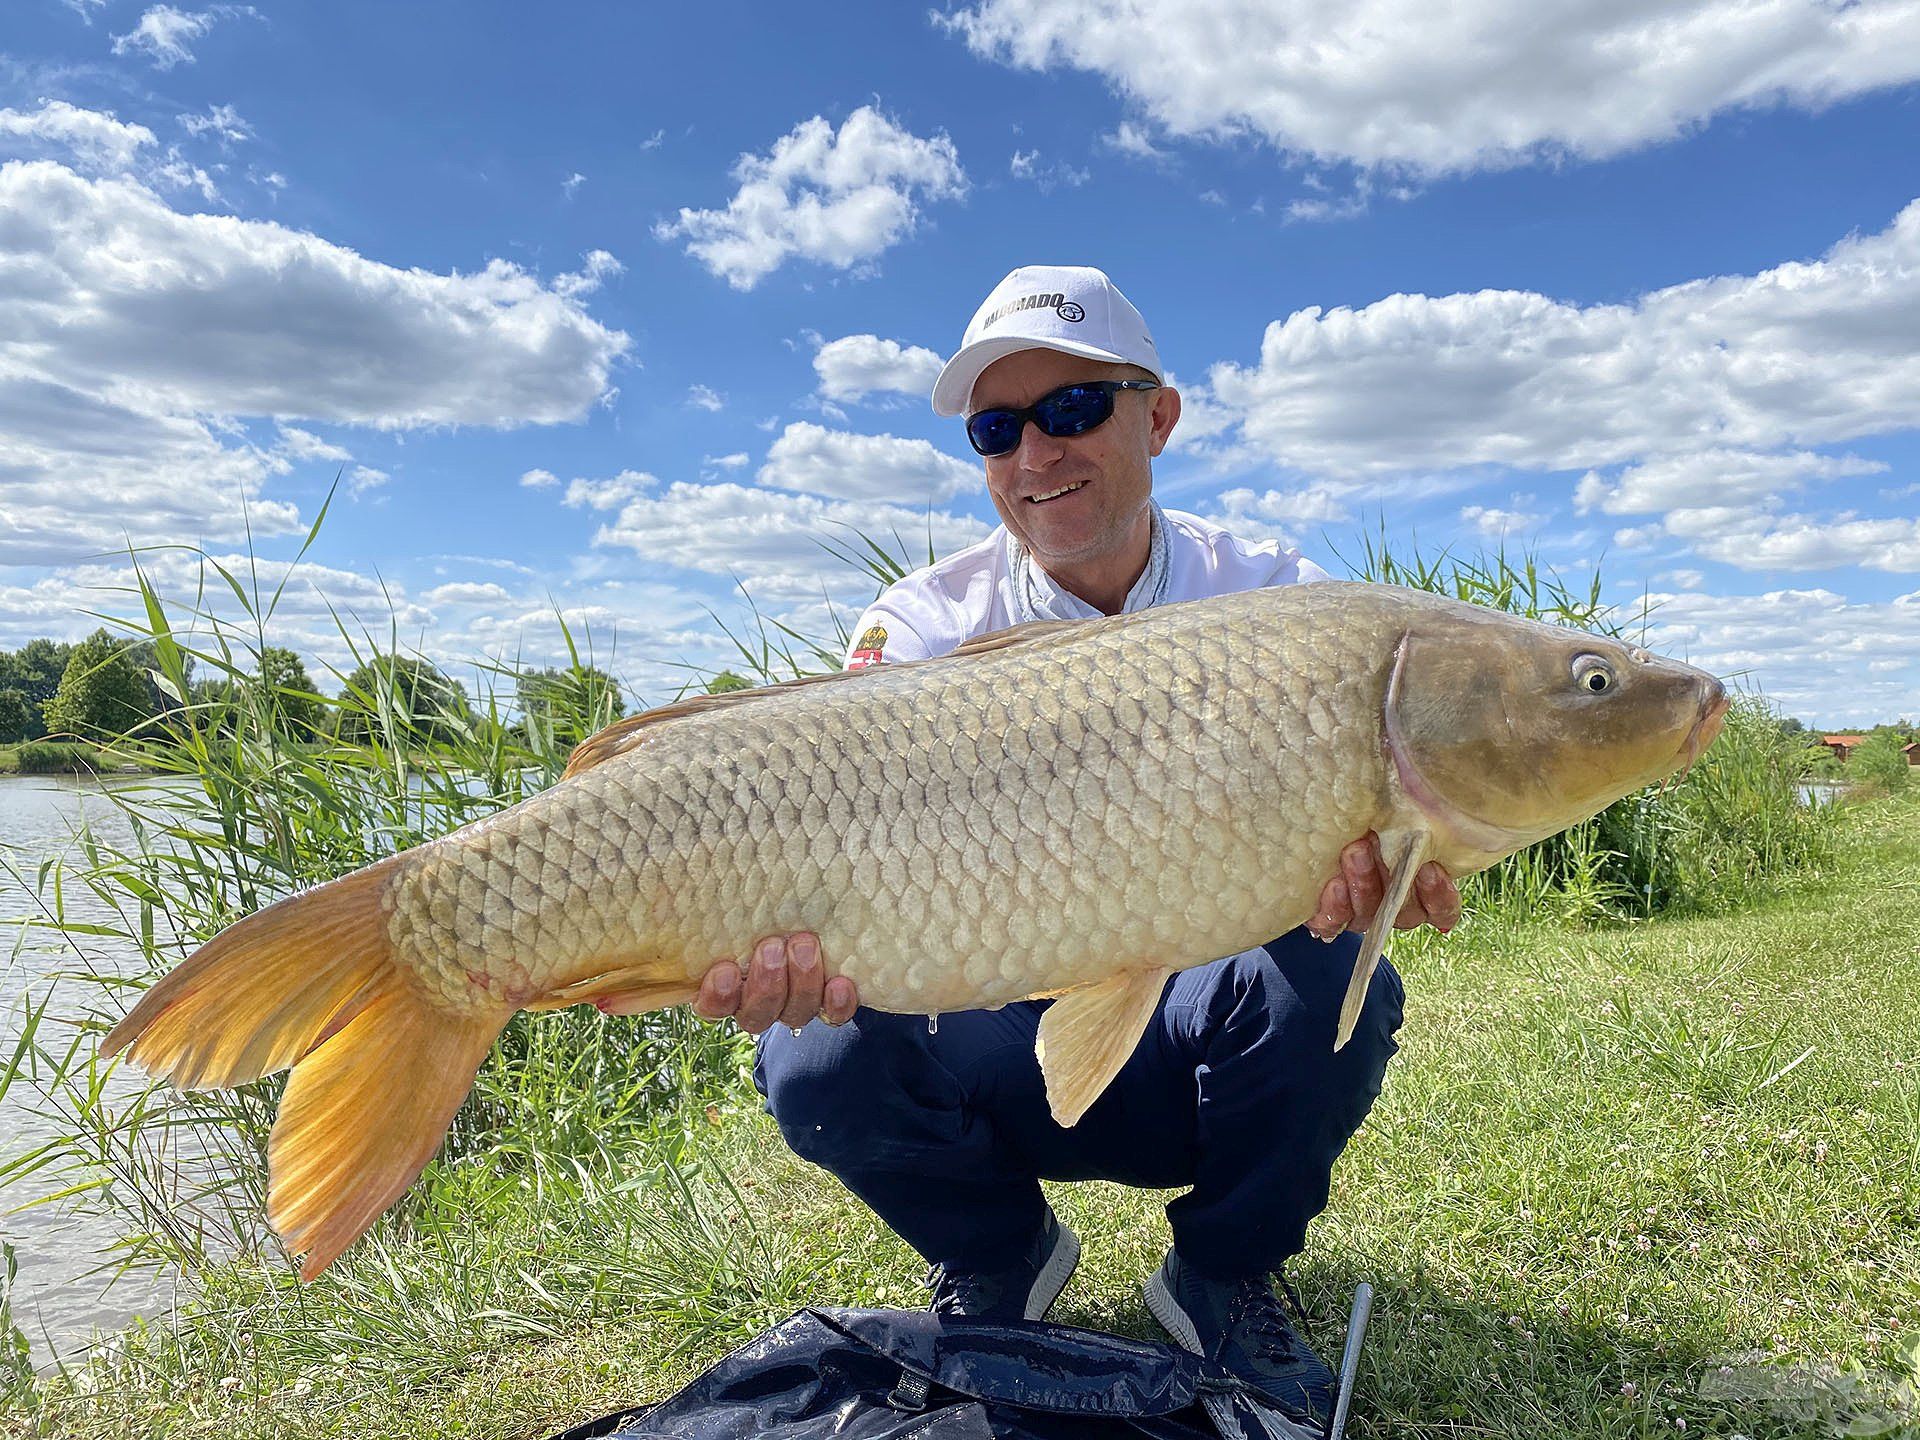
1025,1291
1240,1324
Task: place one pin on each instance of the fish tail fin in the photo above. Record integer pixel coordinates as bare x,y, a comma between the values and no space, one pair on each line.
267,989
362,1115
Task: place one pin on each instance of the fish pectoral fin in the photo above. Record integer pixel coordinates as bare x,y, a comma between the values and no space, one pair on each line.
1405,851
1089,1033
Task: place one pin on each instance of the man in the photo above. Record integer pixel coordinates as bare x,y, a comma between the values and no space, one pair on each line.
1235,1089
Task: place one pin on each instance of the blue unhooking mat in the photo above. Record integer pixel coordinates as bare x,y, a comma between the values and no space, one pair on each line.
911,1375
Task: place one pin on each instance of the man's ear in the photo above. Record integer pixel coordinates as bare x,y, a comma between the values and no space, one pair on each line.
1164,416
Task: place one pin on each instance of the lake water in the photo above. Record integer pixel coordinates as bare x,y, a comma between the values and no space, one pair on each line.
59,1298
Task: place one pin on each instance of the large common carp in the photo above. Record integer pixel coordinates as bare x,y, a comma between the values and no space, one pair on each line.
1075,808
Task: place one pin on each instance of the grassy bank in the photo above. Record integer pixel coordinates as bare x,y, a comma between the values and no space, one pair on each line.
1621,1177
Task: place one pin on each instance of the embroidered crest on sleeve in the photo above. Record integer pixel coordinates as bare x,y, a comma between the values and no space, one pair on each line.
868,651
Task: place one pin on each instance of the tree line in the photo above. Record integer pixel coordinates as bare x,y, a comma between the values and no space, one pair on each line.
104,688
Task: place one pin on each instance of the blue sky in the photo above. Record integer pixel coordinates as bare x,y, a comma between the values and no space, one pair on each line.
614,309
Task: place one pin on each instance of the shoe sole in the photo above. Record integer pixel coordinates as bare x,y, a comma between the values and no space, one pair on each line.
1165,1309
1053,1275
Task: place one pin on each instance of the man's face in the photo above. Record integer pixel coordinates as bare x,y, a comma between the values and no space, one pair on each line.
1110,464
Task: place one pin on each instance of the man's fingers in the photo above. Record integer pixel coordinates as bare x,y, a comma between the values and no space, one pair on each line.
765,994
1336,909
1360,864
1439,897
804,980
719,993
841,1001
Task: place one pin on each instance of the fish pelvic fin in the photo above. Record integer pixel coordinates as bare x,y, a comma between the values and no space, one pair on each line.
1404,851
267,989
1089,1033
362,1115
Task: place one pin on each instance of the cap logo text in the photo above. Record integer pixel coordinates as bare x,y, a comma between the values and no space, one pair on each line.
1055,301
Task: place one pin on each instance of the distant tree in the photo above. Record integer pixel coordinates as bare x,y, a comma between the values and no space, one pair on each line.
1792,725
1877,760
35,670
103,692
570,704
16,715
285,683
422,697
725,681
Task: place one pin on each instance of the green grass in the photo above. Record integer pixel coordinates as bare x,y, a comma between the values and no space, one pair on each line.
1619,1177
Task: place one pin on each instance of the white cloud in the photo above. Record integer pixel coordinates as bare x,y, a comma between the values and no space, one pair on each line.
840,463
737,460
1497,524
773,541
222,122
598,268
1815,653
148,334
298,444
607,494
1438,88
1129,138
363,478
1805,353
467,592
705,397
1704,476
856,366
654,141
1276,514
1754,540
539,479
838,199
1048,175
165,34
572,183
95,139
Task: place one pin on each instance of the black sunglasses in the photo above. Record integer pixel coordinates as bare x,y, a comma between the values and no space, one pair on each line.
1070,410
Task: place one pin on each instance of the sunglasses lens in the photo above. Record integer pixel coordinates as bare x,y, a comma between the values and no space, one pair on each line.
1073,410
994,432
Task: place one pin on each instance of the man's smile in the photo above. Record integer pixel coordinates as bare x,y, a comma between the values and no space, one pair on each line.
1055,494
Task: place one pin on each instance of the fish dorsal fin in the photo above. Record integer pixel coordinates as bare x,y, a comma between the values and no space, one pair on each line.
623,735
1013,635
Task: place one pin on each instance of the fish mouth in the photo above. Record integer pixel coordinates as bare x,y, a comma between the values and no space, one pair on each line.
1715,702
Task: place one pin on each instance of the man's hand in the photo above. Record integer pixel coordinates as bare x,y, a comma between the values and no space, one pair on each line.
1349,900
785,982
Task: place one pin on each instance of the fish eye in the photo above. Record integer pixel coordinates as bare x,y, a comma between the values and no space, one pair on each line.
1593,674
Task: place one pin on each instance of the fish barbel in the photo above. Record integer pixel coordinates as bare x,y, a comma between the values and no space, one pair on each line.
1073,808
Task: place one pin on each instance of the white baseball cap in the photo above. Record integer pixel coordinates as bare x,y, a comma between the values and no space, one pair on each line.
1074,309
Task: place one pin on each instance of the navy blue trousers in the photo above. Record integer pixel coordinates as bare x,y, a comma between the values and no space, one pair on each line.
1235,1090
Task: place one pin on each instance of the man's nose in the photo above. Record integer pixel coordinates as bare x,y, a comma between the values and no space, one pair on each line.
1037,449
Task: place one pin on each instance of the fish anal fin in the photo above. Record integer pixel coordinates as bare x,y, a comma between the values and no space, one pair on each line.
1404,851
1089,1033
362,1115
633,989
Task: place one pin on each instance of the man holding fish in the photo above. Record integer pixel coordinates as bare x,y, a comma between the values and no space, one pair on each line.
944,1129
1084,810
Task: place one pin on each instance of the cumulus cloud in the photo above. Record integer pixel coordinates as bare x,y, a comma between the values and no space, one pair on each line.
598,268
298,444
1048,175
705,397
165,35
1276,514
467,592
839,199
607,494
775,542
363,478
1806,353
149,334
1754,539
1495,523
222,122
1814,652
856,366
1132,139
539,479
848,466
94,138
1440,88
1708,476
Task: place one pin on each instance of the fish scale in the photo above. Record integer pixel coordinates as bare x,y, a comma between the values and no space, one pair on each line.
1074,809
